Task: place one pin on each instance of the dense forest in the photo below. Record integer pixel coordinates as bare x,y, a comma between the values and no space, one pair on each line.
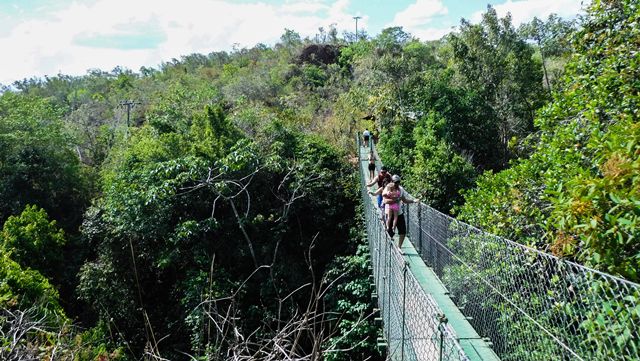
208,209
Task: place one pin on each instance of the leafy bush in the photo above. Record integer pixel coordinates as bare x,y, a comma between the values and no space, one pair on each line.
356,331
33,241
23,288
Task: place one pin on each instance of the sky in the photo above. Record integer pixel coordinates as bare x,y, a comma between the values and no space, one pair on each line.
48,37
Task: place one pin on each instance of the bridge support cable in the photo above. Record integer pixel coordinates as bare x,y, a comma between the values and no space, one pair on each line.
530,305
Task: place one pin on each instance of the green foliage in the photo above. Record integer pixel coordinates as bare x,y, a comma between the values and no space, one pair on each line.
212,133
354,53
313,76
290,38
426,155
596,325
610,327
438,172
33,323
491,59
216,164
250,117
396,146
173,108
350,297
250,83
94,345
446,110
577,195
552,38
595,214
465,120
391,40
37,165
29,335
518,213
578,191
173,202
33,241
20,288
92,125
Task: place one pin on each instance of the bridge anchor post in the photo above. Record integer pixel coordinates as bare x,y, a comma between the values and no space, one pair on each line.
419,230
404,304
443,321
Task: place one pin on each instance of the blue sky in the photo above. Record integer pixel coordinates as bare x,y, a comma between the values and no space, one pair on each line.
47,37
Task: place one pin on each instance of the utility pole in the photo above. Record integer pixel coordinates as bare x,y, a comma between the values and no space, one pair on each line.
356,19
129,104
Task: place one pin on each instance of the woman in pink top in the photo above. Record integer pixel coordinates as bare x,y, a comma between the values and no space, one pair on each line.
391,197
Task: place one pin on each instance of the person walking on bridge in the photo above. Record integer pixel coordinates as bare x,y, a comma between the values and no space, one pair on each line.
382,204
382,179
372,165
365,136
391,199
401,224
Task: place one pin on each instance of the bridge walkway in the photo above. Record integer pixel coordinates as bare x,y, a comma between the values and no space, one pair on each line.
420,320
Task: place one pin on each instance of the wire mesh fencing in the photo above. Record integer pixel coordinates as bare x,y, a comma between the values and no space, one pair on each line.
413,325
530,304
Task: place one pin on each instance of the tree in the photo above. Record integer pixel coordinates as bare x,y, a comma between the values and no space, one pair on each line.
38,164
391,40
575,195
551,37
290,38
438,172
173,202
491,59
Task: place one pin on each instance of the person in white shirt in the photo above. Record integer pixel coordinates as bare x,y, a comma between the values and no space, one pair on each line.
365,136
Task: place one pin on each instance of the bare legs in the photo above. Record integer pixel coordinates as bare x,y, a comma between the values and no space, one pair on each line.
392,219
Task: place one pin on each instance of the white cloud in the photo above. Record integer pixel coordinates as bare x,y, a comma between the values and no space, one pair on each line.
48,46
417,19
431,33
525,10
304,7
419,14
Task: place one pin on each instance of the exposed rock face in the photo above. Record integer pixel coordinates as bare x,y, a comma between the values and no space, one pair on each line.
319,54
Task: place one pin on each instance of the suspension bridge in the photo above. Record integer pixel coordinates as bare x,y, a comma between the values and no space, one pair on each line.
457,293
